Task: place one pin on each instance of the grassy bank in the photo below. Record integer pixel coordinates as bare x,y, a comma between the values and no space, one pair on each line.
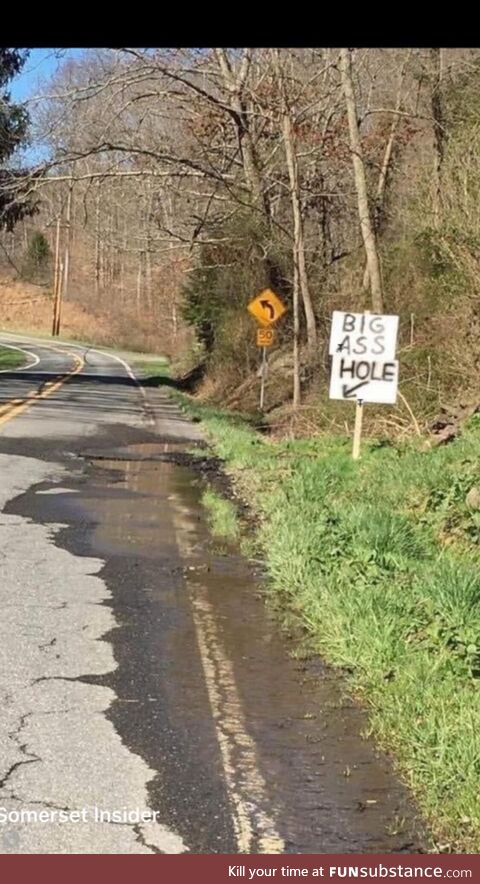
10,359
154,368
222,516
379,560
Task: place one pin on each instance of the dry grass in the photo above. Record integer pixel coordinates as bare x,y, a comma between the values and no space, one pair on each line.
24,306
27,307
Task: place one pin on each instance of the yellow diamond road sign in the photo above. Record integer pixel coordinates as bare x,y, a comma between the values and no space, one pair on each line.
267,308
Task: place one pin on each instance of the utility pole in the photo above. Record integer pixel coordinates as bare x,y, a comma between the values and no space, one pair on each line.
56,278
63,285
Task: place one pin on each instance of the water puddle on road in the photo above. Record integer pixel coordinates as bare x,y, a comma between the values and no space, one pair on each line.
255,752
298,776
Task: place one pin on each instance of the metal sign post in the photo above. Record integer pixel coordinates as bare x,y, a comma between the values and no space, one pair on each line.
267,308
264,370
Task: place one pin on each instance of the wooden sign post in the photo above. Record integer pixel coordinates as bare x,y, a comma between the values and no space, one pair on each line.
357,430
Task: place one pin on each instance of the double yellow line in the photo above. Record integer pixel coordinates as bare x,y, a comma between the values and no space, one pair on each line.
17,406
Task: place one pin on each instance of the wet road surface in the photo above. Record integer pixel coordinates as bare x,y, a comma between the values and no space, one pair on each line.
140,666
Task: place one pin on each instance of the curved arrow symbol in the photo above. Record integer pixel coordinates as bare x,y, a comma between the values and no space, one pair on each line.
268,306
349,391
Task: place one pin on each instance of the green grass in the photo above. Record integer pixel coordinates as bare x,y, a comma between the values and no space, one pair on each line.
379,560
222,516
157,366
141,360
11,358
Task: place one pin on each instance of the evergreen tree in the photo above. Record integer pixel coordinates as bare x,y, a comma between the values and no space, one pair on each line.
14,200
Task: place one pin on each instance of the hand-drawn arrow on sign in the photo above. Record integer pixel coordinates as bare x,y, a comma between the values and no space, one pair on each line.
349,391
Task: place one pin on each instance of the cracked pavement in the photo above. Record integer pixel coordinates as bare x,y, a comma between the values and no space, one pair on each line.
142,679
57,748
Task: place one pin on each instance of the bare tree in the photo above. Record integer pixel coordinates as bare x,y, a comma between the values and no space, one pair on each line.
366,225
299,259
439,133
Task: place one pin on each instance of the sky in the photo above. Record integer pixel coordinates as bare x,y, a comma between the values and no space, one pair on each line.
41,64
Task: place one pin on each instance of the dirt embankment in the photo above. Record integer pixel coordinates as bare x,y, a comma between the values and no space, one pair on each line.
26,307
30,307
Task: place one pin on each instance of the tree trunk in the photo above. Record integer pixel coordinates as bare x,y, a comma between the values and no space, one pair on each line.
438,132
66,266
296,335
97,241
298,232
139,284
148,280
299,261
366,226
149,249
174,322
235,87
385,168
123,261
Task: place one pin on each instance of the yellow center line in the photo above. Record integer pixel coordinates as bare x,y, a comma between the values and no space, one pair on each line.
17,406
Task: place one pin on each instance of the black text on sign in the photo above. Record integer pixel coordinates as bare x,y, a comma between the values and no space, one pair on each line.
369,380
363,334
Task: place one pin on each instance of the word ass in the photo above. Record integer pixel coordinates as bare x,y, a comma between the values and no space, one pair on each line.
364,334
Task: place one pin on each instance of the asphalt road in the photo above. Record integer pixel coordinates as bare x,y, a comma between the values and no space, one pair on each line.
149,702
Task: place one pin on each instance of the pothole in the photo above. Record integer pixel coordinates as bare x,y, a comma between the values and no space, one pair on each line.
168,451
173,452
